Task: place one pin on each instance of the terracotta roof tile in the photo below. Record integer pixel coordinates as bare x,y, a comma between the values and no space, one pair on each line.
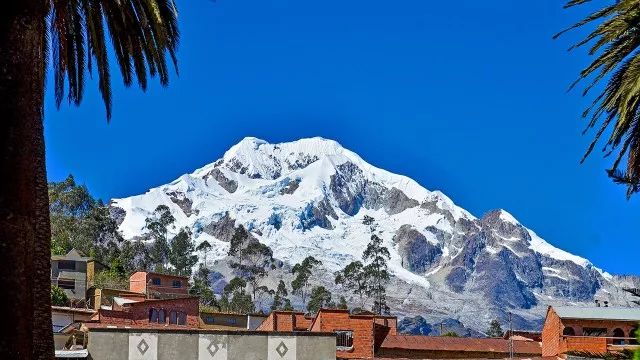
444,343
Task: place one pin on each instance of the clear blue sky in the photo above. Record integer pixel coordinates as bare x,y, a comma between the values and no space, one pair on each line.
466,98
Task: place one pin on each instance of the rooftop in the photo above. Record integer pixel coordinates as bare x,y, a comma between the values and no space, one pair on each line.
444,343
598,313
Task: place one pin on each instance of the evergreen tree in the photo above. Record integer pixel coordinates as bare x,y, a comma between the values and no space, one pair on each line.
451,334
280,297
181,255
158,224
235,299
204,248
495,330
342,304
257,256
353,278
377,272
303,272
320,298
238,243
201,287
58,296
287,305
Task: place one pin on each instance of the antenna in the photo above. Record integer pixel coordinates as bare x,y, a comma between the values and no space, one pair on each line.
510,336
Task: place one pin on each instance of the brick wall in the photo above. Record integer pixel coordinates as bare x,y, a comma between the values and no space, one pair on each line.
138,282
267,324
590,344
138,313
362,327
551,334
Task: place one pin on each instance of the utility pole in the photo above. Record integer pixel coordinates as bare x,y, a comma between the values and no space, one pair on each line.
441,325
510,336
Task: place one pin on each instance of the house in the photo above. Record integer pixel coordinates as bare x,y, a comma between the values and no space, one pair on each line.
181,313
74,273
98,298
214,320
595,329
66,321
159,286
369,336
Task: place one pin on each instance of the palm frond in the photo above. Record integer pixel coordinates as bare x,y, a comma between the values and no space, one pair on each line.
142,32
617,107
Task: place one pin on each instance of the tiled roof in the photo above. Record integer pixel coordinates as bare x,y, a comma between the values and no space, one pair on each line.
73,310
443,343
598,313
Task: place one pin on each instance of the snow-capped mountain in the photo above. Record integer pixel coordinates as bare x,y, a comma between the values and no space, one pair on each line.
309,197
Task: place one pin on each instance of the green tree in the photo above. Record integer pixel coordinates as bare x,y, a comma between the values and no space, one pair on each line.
71,37
79,221
201,287
238,243
280,296
376,270
204,247
614,43
303,272
495,330
287,305
342,304
158,224
257,256
451,334
320,298
181,255
353,278
58,296
235,299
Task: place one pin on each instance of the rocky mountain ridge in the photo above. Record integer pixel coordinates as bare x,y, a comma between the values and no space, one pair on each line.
309,197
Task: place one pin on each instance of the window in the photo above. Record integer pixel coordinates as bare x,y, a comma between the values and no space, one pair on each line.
162,317
210,320
594,332
177,284
173,318
66,265
568,331
155,281
182,318
68,284
232,321
618,335
344,339
153,315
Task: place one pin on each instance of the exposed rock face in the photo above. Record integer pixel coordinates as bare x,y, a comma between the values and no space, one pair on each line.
318,215
183,202
222,229
117,213
230,185
396,202
418,325
291,187
418,254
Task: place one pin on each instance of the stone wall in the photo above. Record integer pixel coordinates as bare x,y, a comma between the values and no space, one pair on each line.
137,344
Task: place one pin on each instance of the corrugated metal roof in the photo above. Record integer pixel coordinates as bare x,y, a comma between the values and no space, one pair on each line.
444,343
598,313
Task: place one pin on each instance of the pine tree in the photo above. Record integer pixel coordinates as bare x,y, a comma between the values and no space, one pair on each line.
158,225
342,304
204,248
377,271
201,287
280,297
320,298
238,243
495,330
353,278
181,253
303,272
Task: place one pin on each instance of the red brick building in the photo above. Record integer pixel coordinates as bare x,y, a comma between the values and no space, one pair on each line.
179,312
159,286
370,336
593,329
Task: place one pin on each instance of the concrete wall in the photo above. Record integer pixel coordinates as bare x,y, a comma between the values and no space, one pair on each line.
136,344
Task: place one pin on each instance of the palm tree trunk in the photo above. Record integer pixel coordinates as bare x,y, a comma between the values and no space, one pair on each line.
24,209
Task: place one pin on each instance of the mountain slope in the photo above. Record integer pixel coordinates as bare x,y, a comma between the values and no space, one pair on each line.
308,197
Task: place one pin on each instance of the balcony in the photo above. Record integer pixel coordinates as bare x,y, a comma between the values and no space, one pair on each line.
599,344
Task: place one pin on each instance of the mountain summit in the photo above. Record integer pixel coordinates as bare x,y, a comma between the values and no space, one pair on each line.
309,197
